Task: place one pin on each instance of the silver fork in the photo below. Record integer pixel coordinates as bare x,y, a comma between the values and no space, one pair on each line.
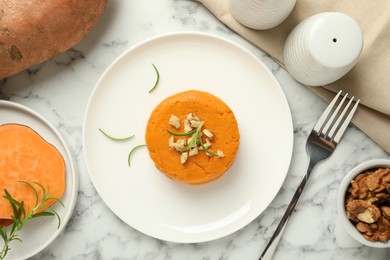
320,144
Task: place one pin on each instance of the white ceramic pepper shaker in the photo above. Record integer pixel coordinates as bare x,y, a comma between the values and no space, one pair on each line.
261,14
323,48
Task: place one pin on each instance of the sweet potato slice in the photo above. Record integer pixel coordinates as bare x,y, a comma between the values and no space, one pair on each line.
25,155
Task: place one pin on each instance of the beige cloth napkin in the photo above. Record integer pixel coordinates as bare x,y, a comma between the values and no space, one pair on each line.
368,80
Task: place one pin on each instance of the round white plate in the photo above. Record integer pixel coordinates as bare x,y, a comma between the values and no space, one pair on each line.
38,233
121,105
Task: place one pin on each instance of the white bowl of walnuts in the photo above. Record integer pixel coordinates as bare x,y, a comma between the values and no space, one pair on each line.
363,203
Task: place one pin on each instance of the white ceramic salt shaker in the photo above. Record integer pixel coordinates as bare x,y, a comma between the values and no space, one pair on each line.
261,14
323,48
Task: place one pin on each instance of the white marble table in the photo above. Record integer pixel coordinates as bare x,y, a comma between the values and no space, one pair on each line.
59,90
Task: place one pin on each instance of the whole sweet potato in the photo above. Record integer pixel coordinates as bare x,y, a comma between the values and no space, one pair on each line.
33,31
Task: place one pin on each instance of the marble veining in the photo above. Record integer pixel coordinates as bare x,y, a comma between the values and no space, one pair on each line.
59,89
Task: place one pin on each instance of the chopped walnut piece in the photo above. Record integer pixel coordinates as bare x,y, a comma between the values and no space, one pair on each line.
195,123
207,144
183,158
171,141
174,121
220,153
178,145
193,151
191,116
187,126
208,133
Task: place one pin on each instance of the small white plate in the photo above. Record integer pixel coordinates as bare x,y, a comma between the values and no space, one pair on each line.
121,105
38,233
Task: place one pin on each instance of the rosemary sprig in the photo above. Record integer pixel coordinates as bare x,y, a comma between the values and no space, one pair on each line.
21,215
115,138
157,79
195,139
132,151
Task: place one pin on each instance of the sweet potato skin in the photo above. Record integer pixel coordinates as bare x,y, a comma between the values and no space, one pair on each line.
33,31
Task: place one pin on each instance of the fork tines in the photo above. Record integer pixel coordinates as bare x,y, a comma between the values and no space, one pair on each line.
336,117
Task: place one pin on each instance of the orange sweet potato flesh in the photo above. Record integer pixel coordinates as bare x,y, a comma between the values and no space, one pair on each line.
217,117
33,31
25,155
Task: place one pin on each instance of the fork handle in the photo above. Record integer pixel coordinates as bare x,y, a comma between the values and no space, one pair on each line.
273,243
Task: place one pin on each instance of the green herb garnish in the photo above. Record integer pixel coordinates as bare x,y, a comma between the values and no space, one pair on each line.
132,151
123,139
21,215
116,138
182,134
195,139
157,79
204,147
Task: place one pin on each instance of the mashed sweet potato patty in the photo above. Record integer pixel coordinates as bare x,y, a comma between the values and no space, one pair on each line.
218,131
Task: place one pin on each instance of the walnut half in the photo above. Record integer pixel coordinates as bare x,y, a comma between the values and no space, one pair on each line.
360,210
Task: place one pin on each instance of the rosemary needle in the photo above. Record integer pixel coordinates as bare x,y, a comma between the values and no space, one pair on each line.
157,79
116,138
132,151
204,147
181,134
